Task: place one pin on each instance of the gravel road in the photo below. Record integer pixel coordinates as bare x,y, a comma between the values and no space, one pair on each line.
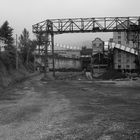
69,110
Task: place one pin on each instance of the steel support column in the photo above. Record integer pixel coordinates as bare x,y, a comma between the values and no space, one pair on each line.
46,54
53,60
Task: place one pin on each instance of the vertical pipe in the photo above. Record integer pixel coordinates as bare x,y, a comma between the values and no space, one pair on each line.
52,39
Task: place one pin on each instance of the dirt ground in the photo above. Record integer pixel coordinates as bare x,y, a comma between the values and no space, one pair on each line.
70,110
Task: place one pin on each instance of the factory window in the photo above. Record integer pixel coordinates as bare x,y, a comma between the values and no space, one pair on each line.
73,56
119,53
119,60
119,66
127,55
127,60
127,66
119,42
100,45
119,37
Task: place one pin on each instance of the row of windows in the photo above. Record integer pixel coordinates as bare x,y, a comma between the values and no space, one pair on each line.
119,37
120,52
127,56
127,60
98,45
119,42
127,66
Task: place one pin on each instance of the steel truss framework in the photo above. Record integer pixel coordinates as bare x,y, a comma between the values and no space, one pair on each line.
81,25
50,27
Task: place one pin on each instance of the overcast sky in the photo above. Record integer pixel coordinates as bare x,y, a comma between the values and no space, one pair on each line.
24,13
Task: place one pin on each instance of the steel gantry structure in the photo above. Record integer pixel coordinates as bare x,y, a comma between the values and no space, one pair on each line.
50,27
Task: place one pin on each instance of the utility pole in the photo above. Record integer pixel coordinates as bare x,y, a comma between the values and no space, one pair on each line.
91,63
46,54
52,40
16,53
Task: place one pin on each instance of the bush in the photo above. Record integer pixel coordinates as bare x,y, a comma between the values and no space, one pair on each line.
112,74
8,58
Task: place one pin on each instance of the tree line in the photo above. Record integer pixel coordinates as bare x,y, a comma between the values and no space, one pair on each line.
26,47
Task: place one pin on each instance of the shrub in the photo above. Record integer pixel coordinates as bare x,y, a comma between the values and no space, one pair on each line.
112,74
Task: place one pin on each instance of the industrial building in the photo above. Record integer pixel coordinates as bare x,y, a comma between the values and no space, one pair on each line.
124,45
63,59
124,58
118,56
70,53
97,46
99,58
2,44
125,38
86,55
94,56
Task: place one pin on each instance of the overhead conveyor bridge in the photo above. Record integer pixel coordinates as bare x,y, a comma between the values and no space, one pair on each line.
81,25
50,27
